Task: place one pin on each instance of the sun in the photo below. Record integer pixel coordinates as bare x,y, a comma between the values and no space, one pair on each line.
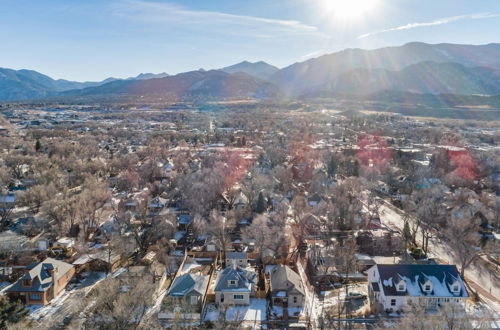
349,9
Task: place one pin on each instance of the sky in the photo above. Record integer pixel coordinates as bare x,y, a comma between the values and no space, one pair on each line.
90,40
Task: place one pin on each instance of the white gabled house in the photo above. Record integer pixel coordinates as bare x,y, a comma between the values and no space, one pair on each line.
234,286
396,286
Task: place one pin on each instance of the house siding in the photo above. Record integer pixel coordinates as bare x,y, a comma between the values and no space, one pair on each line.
229,298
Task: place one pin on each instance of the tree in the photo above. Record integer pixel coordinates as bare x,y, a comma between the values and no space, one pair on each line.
261,204
11,312
464,241
119,303
331,166
93,197
219,227
38,146
450,316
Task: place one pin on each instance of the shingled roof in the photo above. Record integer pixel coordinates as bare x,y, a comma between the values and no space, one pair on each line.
442,278
283,278
244,279
40,276
188,283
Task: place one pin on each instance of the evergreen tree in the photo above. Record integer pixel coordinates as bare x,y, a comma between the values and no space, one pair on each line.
261,204
11,312
332,167
38,146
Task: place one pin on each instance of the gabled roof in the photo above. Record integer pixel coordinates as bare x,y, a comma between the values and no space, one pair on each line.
185,219
245,279
188,283
40,275
415,276
283,278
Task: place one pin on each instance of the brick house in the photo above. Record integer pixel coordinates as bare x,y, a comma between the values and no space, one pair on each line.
42,282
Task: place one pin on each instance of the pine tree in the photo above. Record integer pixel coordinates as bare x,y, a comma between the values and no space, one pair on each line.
332,167
38,146
261,204
11,312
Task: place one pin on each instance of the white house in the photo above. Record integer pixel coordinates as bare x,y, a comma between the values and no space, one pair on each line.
395,286
234,286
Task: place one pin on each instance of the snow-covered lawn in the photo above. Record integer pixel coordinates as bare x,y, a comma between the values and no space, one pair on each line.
38,311
211,313
251,315
256,311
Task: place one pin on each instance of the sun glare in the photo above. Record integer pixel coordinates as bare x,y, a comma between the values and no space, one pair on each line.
349,9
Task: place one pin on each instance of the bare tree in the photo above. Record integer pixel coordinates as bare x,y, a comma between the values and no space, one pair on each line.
463,239
119,304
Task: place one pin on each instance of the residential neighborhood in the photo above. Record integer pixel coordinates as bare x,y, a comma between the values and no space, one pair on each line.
354,224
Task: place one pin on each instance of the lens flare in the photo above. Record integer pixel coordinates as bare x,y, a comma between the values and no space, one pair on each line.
349,9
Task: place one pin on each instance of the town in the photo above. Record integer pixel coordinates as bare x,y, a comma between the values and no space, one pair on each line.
246,215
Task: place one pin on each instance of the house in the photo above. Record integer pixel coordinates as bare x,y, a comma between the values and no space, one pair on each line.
157,204
187,294
380,242
42,282
322,267
184,221
314,200
191,288
395,286
237,258
287,289
234,286
100,260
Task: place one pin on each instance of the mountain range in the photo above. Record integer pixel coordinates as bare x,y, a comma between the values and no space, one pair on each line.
415,67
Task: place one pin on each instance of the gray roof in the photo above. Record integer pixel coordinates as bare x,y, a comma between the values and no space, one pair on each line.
236,255
283,278
188,283
10,240
40,275
442,278
245,279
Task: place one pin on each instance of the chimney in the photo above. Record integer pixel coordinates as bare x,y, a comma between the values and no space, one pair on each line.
55,286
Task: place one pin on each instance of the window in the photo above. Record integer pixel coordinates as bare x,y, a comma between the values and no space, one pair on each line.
455,288
427,287
35,296
401,287
393,302
26,282
232,282
241,261
238,297
294,299
194,300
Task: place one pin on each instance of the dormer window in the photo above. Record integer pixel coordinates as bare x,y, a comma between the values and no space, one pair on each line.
26,282
401,287
232,282
427,287
454,288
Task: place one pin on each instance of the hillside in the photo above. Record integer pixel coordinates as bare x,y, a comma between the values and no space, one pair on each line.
213,84
424,77
260,70
315,73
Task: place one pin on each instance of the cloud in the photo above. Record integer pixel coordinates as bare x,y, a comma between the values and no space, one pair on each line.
155,12
312,54
439,21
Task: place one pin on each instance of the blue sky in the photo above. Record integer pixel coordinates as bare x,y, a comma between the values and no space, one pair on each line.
95,39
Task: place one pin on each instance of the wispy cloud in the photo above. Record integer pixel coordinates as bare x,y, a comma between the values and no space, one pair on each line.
171,13
440,21
312,54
